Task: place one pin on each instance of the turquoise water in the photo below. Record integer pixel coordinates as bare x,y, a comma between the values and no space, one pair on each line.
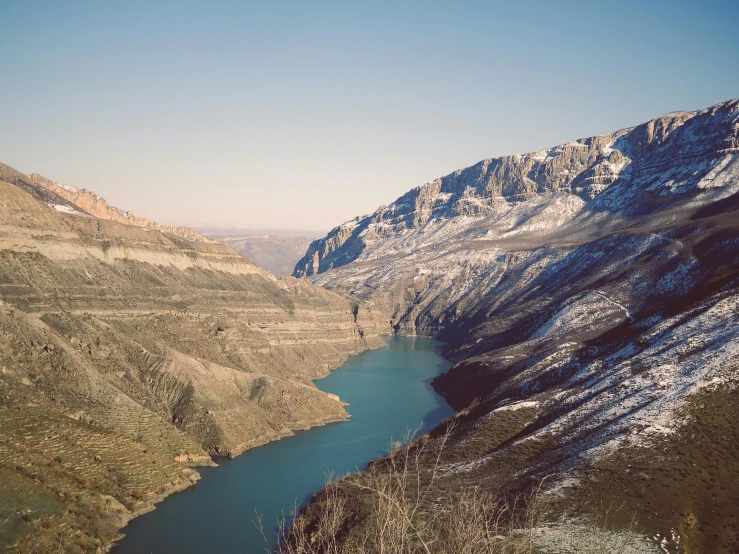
389,393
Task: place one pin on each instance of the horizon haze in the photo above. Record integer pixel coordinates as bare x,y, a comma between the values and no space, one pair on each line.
292,116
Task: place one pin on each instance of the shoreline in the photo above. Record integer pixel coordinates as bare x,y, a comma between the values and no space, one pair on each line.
193,476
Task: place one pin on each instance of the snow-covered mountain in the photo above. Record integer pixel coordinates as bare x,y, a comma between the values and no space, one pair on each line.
590,294
661,160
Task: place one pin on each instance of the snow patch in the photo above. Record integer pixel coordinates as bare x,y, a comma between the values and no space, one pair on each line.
67,210
518,406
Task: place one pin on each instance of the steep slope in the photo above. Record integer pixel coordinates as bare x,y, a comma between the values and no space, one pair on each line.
90,203
578,170
276,254
10,175
590,295
128,354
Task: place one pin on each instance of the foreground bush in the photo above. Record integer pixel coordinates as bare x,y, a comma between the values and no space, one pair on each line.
401,517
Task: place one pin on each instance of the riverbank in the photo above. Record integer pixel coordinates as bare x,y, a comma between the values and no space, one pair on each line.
124,516
389,393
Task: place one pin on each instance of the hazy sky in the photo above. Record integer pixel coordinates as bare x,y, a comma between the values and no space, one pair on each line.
302,114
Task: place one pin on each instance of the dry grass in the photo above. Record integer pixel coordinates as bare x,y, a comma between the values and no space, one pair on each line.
402,516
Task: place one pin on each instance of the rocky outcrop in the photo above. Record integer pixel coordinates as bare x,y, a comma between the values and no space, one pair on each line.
90,203
128,354
581,169
589,294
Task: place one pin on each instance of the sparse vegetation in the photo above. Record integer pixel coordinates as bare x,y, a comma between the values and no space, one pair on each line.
399,512
108,364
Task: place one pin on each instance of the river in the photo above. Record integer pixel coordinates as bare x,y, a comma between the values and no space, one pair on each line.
389,393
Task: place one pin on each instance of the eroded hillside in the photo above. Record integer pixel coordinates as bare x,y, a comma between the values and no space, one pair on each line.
590,294
128,355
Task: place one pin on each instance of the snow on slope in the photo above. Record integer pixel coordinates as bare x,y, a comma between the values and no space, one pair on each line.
595,284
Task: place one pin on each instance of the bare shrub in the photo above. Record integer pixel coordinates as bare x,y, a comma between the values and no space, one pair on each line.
302,537
403,518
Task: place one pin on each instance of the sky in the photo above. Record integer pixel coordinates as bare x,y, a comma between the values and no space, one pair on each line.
282,114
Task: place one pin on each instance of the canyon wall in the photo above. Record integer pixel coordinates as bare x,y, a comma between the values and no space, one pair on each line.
128,354
590,296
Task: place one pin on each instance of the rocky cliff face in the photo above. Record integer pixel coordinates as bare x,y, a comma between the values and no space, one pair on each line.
580,169
128,354
90,203
590,294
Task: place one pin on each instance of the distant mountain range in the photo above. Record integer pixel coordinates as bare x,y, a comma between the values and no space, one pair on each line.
590,296
277,254
233,231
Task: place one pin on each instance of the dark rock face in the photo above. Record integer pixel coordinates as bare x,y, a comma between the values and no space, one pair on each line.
591,290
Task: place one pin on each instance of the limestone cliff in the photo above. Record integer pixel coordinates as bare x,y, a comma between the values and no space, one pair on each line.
579,169
90,203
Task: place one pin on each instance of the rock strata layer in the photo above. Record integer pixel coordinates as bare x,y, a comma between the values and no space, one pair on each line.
130,352
590,294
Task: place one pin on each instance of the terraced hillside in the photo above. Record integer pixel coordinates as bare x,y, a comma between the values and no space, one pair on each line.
128,355
590,294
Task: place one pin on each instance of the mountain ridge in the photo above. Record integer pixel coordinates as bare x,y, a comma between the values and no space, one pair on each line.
492,180
90,203
130,354
589,319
